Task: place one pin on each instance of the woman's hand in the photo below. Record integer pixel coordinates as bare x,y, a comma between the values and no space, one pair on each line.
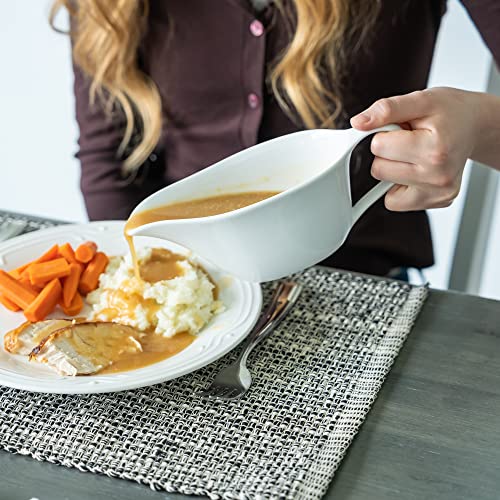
427,159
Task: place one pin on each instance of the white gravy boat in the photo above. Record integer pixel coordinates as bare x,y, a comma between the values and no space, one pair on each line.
305,223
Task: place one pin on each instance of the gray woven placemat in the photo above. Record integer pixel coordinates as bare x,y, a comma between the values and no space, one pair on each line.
32,223
315,380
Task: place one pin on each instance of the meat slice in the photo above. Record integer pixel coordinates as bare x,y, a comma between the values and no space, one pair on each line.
86,348
26,337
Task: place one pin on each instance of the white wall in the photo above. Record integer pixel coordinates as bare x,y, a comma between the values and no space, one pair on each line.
490,283
38,133
39,174
461,60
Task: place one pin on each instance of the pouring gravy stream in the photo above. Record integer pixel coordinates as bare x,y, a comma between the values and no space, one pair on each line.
163,265
191,209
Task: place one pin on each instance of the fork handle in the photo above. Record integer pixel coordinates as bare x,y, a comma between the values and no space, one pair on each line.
284,297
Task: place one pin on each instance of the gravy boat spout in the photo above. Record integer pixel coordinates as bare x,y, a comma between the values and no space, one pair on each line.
307,221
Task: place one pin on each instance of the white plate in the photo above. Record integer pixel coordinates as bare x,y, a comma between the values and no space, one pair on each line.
242,301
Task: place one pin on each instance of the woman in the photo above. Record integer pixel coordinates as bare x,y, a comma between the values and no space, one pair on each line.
165,88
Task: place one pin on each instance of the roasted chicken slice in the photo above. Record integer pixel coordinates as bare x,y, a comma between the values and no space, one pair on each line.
85,348
26,337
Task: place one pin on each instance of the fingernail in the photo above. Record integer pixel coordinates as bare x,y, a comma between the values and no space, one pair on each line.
363,117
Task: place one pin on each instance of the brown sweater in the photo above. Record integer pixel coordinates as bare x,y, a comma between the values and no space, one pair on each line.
210,67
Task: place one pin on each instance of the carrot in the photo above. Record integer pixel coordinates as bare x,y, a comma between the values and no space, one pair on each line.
70,284
11,306
85,252
27,284
15,274
45,303
75,307
43,272
19,270
15,291
50,254
25,281
25,274
68,253
90,277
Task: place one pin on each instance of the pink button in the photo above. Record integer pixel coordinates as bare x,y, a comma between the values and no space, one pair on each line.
256,28
253,100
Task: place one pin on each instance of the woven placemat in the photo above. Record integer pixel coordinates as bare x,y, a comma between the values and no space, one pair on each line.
315,380
32,223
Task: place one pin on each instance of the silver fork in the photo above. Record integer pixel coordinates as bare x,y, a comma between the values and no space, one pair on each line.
10,229
234,380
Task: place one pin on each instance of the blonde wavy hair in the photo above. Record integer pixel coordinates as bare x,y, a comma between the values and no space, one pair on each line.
306,78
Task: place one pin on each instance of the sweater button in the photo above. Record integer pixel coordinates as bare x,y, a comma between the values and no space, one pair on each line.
256,28
253,100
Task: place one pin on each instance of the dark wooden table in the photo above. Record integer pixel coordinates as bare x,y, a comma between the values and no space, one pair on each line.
433,432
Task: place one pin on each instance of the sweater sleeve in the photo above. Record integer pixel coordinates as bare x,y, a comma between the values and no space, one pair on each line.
108,194
486,17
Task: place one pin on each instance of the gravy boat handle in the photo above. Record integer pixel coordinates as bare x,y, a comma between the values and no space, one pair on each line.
382,187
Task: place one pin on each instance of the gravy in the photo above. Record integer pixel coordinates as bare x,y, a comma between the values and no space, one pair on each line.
192,209
162,265
155,348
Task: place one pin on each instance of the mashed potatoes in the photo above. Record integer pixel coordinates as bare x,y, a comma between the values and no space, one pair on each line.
184,303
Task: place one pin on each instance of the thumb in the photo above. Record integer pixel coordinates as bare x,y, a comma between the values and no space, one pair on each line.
398,109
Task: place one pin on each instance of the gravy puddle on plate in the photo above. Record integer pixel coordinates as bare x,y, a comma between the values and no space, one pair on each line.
155,348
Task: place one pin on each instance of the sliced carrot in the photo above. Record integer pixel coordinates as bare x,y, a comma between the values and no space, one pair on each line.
19,270
15,291
25,274
70,284
43,272
45,303
51,254
68,253
90,277
11,306
15,274
85,252
75,307
27,284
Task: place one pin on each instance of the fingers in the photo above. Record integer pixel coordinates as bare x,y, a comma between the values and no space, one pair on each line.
402,145
412,191
394,171
415,188
409,193
426,174
426,159
445,176
404,199
411,198
399,109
